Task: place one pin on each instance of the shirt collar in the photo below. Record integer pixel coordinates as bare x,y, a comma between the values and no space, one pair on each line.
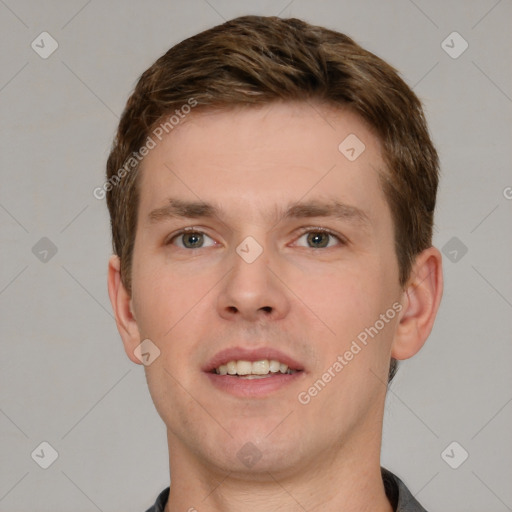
397,492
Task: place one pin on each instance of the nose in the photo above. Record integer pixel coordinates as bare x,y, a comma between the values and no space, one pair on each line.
253,290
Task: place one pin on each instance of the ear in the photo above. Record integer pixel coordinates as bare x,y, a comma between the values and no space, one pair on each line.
122,306
421,299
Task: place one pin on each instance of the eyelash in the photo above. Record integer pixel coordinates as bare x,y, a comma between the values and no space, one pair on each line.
302,231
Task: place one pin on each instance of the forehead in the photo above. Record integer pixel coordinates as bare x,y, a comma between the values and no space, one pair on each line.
255,159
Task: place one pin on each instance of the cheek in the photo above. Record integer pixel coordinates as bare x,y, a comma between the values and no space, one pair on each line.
344,299
348,305
163,298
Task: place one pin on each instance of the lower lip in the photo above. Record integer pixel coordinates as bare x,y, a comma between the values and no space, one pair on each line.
252,388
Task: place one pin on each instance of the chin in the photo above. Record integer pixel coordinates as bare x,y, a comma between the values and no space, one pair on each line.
255,456
253,464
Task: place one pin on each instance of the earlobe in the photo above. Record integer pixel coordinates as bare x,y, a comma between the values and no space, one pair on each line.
421,300
123,309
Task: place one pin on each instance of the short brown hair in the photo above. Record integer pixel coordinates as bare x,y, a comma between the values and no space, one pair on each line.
253,60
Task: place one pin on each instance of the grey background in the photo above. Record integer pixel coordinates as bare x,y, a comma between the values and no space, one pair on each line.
64,377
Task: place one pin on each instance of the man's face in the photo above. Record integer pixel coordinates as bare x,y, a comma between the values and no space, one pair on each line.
250,283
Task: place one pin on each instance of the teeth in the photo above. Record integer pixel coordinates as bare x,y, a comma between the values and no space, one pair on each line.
243,367
260,367
254,369
274,366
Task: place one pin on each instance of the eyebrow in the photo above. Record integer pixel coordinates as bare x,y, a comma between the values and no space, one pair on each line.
178,208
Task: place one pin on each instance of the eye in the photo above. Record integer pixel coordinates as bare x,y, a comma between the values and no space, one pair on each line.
190,238
320,238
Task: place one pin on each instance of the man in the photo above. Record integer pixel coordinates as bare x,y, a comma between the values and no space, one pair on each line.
271,189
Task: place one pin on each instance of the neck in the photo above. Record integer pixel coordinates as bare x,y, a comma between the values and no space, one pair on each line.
346,478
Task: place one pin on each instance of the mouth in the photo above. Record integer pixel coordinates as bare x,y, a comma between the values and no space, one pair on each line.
256,373
261,369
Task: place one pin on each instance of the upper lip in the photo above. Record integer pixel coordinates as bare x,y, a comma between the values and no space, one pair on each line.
245,354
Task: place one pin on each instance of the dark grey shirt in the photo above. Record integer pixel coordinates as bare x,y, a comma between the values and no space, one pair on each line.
396,491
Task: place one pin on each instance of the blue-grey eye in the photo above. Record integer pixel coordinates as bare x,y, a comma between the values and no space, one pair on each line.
191,240
319,239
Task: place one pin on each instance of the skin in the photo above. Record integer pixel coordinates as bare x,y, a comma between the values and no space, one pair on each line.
301,297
